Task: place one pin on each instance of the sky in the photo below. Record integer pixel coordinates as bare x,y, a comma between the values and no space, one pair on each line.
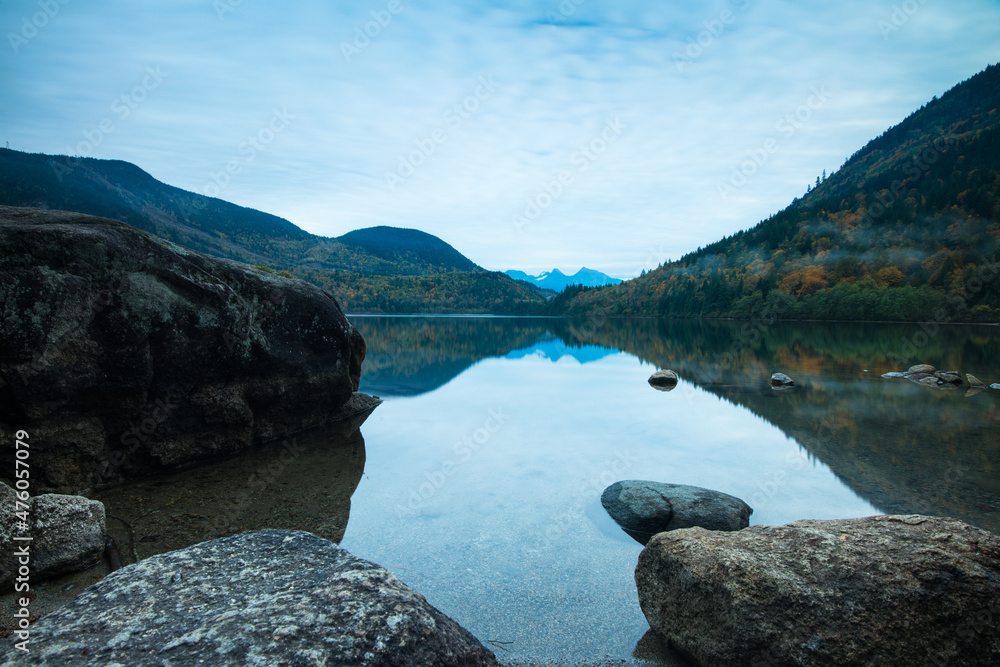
614,135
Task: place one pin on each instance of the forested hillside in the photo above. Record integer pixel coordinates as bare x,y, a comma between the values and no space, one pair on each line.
907,229
381,269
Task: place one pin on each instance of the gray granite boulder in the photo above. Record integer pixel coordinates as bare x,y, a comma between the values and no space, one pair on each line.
781,380
664,380
644,508
126,355
884,590
68,535
269,597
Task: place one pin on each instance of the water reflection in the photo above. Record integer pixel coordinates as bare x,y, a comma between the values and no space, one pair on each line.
902,447
304,482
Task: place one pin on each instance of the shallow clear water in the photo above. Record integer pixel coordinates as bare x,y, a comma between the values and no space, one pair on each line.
486,463
478,480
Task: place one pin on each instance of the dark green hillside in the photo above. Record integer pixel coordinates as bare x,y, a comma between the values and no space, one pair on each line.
392,242
382,269
907,229
122,191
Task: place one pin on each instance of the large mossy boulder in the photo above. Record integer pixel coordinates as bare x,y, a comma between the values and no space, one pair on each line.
269,597
124,354
884,590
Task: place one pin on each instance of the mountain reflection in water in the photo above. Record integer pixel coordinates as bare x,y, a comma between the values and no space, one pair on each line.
903,447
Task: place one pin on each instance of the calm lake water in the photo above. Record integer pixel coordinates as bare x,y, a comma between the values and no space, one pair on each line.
478,480
486,462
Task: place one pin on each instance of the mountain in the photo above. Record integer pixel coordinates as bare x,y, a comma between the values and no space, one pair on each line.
907,229
392,242
557,281
382,269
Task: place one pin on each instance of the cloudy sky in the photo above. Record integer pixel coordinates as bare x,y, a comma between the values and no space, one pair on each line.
529,135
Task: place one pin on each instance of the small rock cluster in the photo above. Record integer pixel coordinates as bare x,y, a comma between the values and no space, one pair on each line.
929,376
666,380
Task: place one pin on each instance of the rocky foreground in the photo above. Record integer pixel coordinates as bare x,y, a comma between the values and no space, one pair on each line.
883,590
124,354
268,597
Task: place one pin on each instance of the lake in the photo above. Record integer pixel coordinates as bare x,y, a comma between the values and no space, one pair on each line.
478,480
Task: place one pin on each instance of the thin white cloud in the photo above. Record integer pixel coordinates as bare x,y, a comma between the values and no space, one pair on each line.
560,77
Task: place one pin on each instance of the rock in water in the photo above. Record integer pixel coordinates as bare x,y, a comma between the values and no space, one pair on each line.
975,382
125,354
644,508
781,380
922,369
67,535
902,590
663,380
949,377
270,597
995,385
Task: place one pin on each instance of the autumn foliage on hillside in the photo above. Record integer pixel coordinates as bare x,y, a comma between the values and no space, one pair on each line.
908,229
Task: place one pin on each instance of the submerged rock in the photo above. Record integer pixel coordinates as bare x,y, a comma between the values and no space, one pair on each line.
781,380
949,377
910,590
892,375
975,382
645,508
270,597
67,534
125,354
663,380
995,385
